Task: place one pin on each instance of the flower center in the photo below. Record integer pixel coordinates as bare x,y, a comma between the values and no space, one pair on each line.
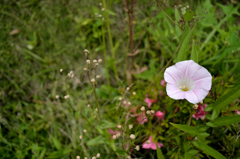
183,88
185,84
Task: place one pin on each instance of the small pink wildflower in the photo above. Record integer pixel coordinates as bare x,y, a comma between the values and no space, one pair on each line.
200,112
159,114
149,101
163,83
188,80
237,112
112,132
149,144
142,118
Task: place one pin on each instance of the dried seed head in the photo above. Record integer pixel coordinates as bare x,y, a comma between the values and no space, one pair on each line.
132,136
86,51
98,76
98,155
137,148
195,106
88,61
66,96
99,60
130,126
118,135
152,111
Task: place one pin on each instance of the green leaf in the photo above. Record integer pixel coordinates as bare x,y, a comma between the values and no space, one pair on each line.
208,150
56,143
188,15
194,54
215,114
159,153
96,141
177,17
183,49
223,101
187,146
106,124
121,152
222,121
187,129
190,153
202,135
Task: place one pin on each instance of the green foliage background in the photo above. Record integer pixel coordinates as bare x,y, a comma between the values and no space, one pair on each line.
51,35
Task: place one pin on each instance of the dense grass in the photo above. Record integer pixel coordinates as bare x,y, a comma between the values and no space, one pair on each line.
50,35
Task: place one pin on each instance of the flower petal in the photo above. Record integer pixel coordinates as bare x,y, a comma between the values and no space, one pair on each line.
192,97
146,146
172,75
204,83
200,93
174,92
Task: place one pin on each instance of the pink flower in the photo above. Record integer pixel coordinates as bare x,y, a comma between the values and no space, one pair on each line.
159,115
113,132
188,80
237,112
200,112
142,118
149,144
163,83
149,101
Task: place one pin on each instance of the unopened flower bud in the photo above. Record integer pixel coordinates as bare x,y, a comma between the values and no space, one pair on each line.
85,69
61,70
120,98
152,111
128,88
78,157
80,137
66,96
114,137
94,61
57,96
118,135
92,80
148,141
148,112
119,126
94,157
134,93
84,130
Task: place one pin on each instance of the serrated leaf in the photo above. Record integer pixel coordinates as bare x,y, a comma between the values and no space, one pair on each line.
188,15
96,141
223,121
208,150
182,53
194,54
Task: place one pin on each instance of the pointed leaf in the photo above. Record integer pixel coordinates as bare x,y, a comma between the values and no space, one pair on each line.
159,153
96,141
183,49
222,121
188,15
187,129
208,150
194,54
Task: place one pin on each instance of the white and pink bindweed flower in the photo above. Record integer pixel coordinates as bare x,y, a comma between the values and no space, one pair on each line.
188,80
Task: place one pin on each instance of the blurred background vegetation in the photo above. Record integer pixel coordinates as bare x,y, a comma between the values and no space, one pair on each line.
38,38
